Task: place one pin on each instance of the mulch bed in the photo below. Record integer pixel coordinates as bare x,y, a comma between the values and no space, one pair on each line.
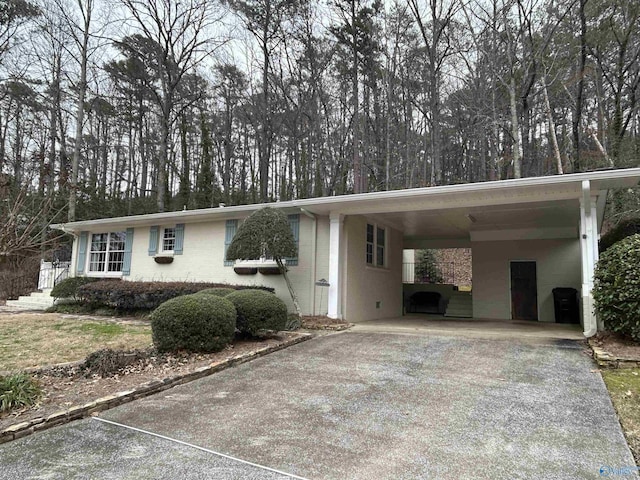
617,345
70,385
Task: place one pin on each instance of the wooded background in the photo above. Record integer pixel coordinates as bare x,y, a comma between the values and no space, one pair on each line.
117,107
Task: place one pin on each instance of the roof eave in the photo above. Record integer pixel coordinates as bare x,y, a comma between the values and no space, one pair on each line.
545,187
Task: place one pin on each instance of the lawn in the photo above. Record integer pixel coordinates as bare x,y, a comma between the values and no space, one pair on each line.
624,388
32,339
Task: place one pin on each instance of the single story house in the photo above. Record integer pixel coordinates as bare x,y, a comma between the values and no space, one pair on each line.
528,236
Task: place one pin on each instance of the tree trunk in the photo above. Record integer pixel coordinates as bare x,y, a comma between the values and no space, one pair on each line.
82,90
515,134
357,166
577,112
552,127
163,157
294,297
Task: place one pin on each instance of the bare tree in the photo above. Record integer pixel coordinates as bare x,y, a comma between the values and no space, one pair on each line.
265,19
183,37
436,30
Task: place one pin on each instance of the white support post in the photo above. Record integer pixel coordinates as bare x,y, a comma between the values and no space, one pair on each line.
335,265
589,253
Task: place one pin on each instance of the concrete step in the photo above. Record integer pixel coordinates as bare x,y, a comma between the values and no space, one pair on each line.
41,300
44,294
460,305
34,301
26,305
458,313
31,299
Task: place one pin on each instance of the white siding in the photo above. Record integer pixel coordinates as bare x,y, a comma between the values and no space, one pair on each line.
365,286
202,261
557,263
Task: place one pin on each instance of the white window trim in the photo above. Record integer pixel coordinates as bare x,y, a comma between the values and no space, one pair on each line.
101,273
161,250
374,264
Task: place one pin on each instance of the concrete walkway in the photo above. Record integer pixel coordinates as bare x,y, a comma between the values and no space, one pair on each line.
358,405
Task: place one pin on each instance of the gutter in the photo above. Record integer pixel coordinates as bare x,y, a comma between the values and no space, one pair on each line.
567,184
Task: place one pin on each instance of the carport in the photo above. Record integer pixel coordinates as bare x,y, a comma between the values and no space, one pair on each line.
542,231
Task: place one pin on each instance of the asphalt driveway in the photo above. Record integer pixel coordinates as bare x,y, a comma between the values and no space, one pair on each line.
356,406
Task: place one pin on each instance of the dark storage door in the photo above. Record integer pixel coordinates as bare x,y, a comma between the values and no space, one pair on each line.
524,291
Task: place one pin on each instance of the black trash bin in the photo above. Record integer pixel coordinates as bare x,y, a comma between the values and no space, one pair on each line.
565,303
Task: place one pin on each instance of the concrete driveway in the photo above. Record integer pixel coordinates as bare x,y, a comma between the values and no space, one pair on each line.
356,405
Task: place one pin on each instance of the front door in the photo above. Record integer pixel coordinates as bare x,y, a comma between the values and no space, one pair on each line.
524,291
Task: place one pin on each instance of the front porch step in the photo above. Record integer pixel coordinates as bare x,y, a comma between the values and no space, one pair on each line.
460,305
34,301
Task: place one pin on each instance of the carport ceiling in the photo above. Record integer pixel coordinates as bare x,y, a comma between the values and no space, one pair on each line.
457,223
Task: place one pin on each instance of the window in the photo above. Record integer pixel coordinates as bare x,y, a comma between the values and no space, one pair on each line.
370,243
169,240
376,245
380,241
231,227
294,223
166,240
107,252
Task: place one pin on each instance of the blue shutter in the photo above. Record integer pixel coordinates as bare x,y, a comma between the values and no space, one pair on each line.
294,223
82,252
153,240
128,244
177,249
231,227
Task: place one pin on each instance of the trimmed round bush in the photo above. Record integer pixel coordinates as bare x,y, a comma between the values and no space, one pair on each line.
617,287
258,311
195,323
219,292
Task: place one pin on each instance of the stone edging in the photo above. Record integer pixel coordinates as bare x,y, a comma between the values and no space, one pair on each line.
607,360
335,328
23,429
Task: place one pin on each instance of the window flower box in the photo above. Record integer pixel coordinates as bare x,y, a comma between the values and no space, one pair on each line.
265,266
163,259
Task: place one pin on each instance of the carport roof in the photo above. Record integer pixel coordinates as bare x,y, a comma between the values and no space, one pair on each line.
540,199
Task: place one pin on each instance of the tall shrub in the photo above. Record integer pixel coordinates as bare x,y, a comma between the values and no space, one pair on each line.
617,287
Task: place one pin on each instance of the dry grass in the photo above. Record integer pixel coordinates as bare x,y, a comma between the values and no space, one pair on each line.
34,340
624,388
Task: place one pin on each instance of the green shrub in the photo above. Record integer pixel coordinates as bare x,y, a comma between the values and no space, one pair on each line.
129,296
622,230
68,288
427,269
617,287
218,291
258,311
196,323
18,390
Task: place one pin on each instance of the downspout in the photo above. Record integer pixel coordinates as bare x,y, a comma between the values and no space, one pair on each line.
314,241
586,231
